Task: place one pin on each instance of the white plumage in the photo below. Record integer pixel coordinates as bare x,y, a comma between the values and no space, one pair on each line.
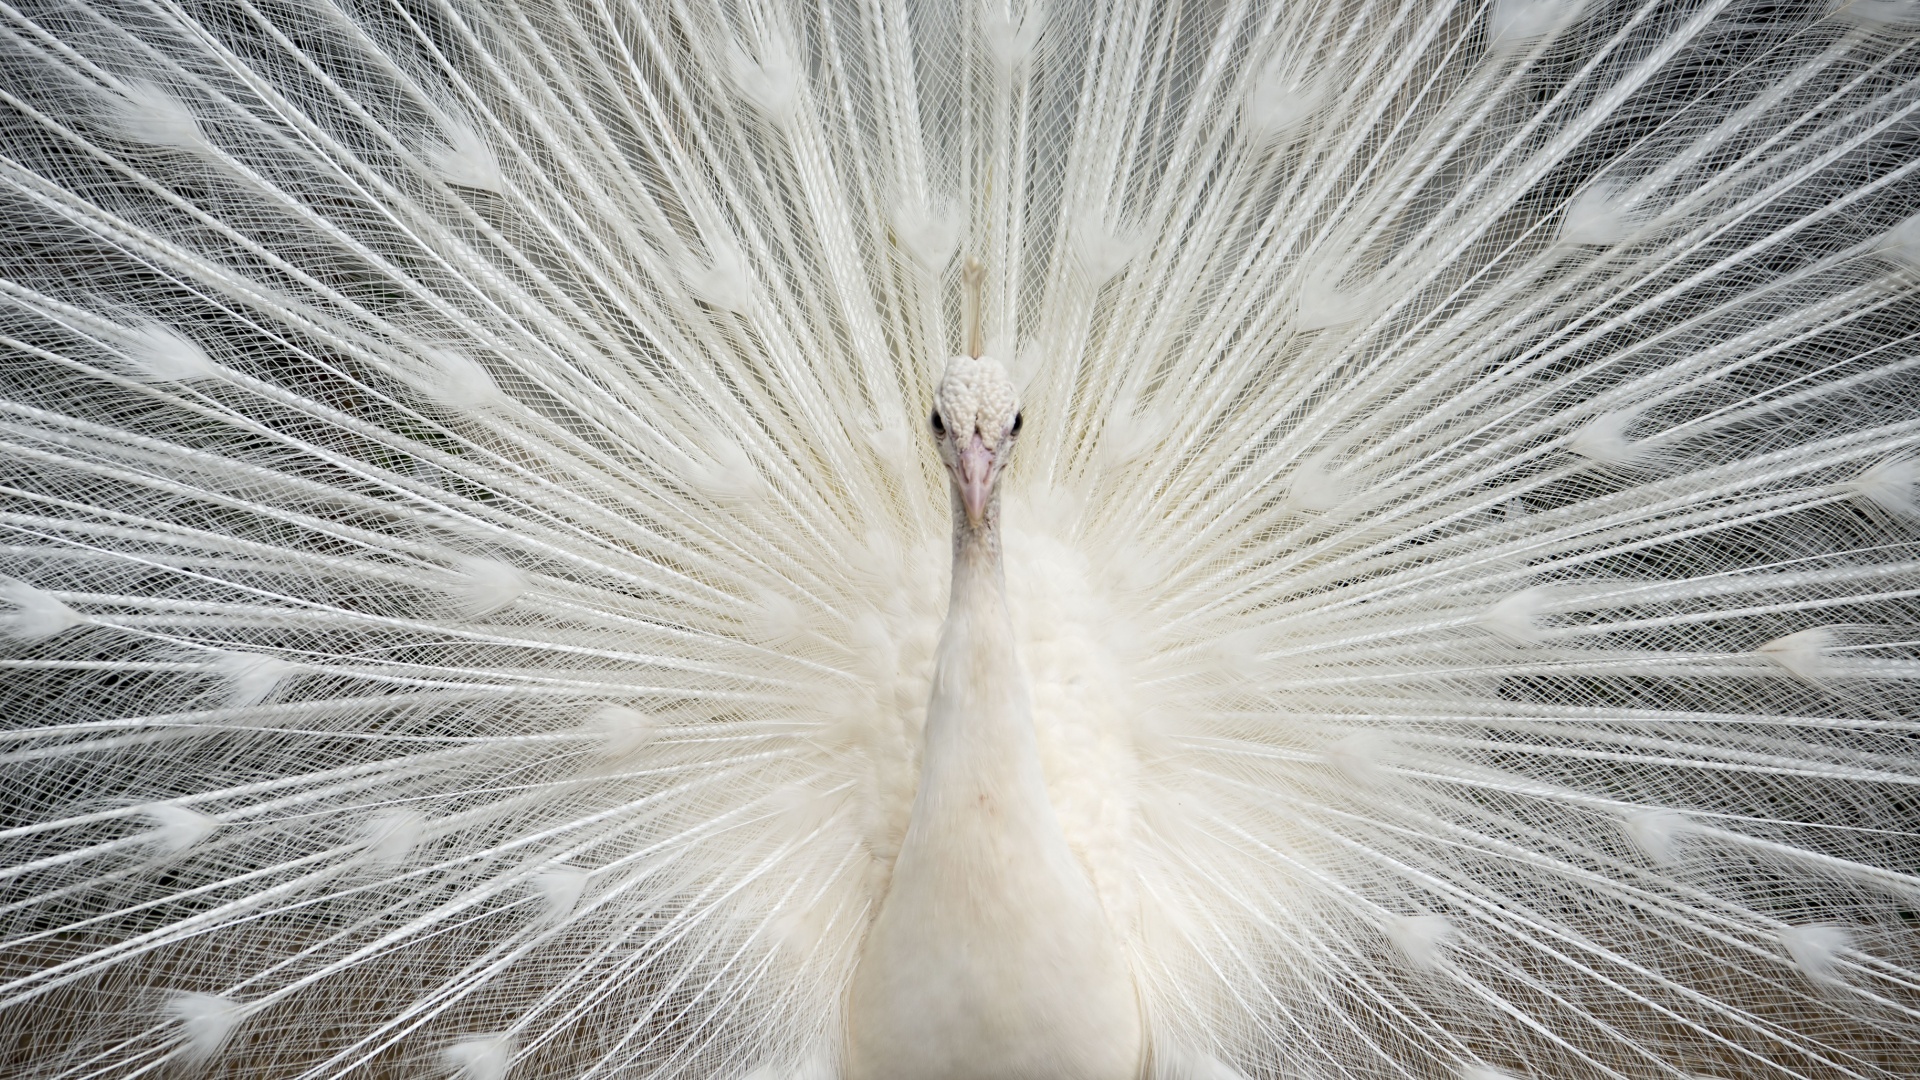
995,950
474,551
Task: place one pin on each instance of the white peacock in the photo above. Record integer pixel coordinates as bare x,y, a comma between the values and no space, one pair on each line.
473,537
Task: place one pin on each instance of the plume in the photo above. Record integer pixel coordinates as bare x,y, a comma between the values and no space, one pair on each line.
470,564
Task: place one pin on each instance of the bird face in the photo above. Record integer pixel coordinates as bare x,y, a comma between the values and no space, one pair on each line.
976,418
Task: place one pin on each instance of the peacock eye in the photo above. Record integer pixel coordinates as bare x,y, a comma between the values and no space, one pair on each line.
939,425
1017,418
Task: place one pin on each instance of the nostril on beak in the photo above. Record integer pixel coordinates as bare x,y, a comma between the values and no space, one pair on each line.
975,477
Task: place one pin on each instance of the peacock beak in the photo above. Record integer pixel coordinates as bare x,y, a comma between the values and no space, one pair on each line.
974,473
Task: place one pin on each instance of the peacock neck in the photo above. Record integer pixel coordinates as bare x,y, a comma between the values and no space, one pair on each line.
979,734
990,956
979,591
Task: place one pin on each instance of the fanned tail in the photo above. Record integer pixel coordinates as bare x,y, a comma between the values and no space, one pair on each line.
472,562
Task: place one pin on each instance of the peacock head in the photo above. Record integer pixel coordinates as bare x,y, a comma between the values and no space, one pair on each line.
976,419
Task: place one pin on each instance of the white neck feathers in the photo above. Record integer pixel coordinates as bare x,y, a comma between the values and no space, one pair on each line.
991,956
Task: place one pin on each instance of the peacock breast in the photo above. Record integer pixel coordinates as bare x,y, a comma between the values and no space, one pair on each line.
991,959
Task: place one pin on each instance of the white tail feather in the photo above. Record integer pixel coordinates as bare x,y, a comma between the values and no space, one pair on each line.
206,1022
251,677
1814,949
144,112
164,354
36,614
388,838
1421,938
179,828
1806,653
483,1058
465,159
